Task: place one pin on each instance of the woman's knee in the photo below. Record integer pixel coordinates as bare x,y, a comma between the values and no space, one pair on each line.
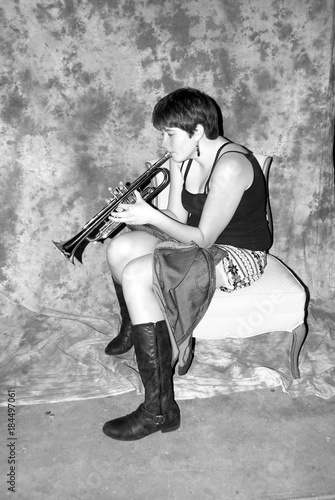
129,246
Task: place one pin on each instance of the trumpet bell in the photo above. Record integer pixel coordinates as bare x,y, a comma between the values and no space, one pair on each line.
100,227
72,252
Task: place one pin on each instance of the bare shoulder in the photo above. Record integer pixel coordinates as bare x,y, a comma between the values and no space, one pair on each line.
234,166
233,159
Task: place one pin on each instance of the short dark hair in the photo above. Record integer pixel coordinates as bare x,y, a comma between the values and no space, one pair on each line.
185,108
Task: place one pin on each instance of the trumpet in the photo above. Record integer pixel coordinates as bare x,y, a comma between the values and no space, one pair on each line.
100,226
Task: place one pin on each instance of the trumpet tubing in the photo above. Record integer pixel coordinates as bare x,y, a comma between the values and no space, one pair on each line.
100,226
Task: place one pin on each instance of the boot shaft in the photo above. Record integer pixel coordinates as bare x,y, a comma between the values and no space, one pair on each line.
154,356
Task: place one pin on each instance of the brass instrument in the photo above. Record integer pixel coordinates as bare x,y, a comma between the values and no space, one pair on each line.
100,227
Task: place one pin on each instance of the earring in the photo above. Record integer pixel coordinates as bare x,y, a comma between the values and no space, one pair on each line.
197,148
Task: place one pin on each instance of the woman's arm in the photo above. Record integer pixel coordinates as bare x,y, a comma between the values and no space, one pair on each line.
175,209
231,177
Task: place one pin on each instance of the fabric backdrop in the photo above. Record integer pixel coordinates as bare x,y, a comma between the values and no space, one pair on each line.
79,80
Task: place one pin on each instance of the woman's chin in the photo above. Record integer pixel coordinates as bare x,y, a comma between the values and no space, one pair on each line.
178,158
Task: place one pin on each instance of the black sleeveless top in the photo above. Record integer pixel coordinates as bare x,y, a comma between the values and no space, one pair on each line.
248,227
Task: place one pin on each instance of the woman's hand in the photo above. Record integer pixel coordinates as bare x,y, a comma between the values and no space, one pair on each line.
137,213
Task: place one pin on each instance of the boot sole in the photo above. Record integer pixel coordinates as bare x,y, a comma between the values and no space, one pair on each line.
133,438
171,429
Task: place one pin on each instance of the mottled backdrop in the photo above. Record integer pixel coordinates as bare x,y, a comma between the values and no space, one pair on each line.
78,82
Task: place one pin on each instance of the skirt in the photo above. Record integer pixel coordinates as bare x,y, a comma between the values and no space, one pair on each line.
240,267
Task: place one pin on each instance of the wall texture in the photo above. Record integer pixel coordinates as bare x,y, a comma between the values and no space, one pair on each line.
78,82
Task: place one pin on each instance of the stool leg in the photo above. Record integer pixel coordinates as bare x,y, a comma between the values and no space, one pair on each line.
299,335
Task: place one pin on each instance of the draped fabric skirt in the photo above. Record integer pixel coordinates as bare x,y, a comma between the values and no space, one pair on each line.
240,267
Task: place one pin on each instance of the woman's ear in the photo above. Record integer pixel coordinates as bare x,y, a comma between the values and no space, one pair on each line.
199,132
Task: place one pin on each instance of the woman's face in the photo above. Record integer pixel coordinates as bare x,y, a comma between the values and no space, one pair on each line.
178,143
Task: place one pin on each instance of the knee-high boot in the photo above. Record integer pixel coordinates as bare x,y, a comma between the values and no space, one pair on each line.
159,412
123,342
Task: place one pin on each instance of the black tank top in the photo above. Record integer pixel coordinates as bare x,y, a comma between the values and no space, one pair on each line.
248,227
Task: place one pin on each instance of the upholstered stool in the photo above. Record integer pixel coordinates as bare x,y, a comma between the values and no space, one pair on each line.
275,302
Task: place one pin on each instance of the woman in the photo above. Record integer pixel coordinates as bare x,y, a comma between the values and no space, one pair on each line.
217,202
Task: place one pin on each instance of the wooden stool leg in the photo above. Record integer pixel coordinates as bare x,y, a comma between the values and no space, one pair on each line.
299,335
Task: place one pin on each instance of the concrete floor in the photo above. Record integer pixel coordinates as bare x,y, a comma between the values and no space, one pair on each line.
261,444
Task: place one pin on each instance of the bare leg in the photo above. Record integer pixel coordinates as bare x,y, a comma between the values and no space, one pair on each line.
130,260
137,279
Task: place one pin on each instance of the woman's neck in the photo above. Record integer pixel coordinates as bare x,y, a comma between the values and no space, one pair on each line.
208,151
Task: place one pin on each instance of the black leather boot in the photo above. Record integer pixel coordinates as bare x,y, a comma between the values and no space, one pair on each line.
159,412
123,342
